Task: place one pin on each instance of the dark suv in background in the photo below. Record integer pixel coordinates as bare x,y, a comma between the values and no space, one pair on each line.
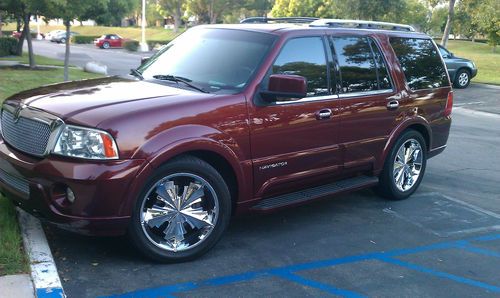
461,70
228,119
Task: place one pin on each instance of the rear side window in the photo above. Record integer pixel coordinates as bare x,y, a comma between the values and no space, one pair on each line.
421,63
361,65
305,57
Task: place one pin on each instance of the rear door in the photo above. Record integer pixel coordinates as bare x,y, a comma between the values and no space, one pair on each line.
293,146
369,105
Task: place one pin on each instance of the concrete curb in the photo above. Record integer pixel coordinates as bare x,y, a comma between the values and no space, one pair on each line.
44,274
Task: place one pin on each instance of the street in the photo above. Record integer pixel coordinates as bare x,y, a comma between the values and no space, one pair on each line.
443,241
119,61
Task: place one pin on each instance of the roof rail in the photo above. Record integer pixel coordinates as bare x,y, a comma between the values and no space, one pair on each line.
361,24
265,20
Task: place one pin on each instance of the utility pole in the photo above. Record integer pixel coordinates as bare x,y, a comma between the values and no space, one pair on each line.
144,45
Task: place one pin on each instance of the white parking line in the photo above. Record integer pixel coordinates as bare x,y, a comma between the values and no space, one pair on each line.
43,268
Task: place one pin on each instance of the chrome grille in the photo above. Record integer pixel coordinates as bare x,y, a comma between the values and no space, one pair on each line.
19,184
27,135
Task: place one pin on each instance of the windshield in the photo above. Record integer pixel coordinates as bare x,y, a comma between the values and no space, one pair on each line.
216,60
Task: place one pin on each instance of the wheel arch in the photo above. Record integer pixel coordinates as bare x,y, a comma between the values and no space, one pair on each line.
418,124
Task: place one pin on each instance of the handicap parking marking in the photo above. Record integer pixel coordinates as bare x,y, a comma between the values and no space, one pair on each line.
289,272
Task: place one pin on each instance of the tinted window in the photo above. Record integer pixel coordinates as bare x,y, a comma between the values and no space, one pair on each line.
420,62
358,71
384,81
305,57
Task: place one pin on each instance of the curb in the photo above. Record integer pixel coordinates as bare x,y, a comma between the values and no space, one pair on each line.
44,274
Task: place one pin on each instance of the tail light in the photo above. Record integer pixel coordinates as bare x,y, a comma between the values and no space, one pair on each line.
449,104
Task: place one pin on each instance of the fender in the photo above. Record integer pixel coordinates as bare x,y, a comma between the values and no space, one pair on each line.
394,135
161,148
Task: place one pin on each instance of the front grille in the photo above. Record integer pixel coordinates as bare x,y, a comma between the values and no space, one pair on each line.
27,135
17,183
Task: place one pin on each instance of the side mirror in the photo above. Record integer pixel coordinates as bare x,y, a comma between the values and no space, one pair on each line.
285,86
145,59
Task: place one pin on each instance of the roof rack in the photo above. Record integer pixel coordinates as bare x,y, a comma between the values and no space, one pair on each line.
361,24
265,20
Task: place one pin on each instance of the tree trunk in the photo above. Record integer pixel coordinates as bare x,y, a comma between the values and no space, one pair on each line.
18,23
177,16
27,33
449,23
66,54
1,24
20,44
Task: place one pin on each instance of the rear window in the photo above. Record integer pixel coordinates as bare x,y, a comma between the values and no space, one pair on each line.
361,65
421,63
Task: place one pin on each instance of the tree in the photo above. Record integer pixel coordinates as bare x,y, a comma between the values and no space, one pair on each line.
68,10
487,18
449,23
175,8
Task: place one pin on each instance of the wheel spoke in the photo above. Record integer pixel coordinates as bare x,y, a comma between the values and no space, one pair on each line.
167,194
197,218
192,194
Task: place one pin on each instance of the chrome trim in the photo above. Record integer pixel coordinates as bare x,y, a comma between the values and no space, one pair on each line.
365,93
307,99
408,164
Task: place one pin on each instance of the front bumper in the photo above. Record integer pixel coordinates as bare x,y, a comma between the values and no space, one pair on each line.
101,190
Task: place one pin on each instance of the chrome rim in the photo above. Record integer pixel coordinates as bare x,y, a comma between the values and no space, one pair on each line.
463,79
407,165
179,212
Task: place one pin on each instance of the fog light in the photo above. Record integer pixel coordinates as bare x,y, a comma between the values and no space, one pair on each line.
70,195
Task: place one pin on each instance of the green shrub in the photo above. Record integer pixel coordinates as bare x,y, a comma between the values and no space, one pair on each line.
7,46
131,45
154,43
6,33
82,39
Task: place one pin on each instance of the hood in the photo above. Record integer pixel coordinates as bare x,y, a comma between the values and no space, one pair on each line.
68,100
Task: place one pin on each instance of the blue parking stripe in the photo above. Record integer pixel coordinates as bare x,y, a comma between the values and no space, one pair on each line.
318,285
471,248
441,274
383,256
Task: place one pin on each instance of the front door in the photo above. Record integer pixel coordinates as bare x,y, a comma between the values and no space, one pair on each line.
294,141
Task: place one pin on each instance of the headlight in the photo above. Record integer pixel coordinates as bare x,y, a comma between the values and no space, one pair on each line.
87,143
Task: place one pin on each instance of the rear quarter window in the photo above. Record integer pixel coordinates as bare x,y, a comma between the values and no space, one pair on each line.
421,63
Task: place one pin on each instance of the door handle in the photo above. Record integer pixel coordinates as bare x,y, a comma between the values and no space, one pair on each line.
392,105
324,114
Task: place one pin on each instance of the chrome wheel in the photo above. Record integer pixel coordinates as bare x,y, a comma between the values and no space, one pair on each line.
407,165
463,79
179,212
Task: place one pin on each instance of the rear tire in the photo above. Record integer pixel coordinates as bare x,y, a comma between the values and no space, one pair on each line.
462,79
404,167
105,45
182,212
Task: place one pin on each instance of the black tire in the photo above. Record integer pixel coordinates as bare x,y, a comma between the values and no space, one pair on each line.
105,45
141,237
387,185
462,79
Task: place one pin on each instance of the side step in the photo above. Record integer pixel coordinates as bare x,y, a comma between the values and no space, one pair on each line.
315,192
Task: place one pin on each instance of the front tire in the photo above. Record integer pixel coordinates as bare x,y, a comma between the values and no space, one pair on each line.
182,211
462,79
105,45
404,167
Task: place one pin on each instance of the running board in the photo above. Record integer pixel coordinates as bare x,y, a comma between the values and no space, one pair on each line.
315,192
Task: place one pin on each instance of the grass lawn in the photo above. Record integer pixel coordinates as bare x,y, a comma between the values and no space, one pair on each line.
39,60
12,257
487,62
12,80
152,33
15,80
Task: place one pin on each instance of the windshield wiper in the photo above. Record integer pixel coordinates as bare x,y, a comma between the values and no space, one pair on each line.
178,79
136,73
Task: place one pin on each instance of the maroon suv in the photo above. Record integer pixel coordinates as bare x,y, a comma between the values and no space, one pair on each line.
224,120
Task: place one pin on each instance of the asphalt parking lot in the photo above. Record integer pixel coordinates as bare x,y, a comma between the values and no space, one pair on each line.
444,241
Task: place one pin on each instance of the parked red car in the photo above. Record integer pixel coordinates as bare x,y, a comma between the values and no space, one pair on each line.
228,119
110,41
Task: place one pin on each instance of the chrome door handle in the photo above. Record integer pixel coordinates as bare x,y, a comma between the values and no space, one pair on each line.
324,114
392,105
